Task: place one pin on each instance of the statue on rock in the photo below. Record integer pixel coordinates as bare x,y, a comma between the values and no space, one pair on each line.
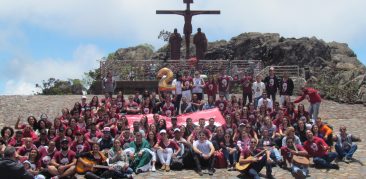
200,41
175,43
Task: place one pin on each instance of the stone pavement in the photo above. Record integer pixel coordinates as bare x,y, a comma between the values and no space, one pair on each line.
353,116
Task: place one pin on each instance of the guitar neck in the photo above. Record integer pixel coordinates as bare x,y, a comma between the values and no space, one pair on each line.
100,166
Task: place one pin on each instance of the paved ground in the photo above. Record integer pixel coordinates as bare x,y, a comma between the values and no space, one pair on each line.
353,116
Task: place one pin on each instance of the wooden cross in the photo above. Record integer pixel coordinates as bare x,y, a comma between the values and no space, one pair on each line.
187,14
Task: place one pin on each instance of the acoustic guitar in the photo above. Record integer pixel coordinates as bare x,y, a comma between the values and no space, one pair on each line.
242,167
300,160
82,168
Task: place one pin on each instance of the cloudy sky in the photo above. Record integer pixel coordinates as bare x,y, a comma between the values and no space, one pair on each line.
63,39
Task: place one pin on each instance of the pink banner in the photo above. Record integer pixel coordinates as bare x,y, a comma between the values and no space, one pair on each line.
214,113
210,113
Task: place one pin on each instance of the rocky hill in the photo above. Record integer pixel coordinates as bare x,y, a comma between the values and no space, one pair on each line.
334,67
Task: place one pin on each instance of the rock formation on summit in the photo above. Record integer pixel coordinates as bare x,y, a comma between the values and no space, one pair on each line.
334,67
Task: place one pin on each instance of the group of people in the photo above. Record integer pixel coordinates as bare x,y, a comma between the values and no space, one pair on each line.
95,137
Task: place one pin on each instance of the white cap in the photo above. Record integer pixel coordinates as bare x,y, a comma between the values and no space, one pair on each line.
176,130
162,131
83,97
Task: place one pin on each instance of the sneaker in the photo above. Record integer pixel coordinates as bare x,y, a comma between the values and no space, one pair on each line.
200,173
334,166
129,176
210,172
346,160
167,168
138,171
163,167
270,176
153,169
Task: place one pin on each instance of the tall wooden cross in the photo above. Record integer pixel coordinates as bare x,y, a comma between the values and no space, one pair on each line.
187,14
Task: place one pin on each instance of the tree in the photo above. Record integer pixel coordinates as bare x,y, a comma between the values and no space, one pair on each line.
55,86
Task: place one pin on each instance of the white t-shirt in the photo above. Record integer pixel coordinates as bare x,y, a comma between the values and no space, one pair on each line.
269,104
197,83
204,147
178,86
258,89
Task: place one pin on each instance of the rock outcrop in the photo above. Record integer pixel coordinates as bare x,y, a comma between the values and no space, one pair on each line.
334,67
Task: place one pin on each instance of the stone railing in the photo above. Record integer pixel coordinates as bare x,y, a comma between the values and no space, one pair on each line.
136,70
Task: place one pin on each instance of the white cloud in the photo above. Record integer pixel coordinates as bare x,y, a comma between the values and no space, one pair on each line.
136,20
23,73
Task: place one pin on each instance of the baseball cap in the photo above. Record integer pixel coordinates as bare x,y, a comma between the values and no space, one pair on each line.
163,131
83,97
64,140
176,130
106,129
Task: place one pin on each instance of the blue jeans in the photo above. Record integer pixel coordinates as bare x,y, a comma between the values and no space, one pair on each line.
233,158
275,155
314,111
256,101
304,170
325,160
348,153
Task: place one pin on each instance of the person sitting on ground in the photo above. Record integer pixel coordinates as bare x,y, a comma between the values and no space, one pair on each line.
10,167
166,150
204,153
116,155
267,142
211,125
345,146
325,131
263,101
318,149
140,158
230,151
24,150
210,104
63,162
256,163
288,151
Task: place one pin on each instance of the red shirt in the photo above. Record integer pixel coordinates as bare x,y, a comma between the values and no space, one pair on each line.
23,151
172,145
64,159
211,89
285,151
315,147
246,83
313,95
221,104
168,108
186,81
80,147
224,83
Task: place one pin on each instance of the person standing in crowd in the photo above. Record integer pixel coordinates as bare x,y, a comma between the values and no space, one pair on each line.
286,88
258,88
187,86
109,84
345,145
247,83
314,99
211,87
224,85
271,82
198,85
177,93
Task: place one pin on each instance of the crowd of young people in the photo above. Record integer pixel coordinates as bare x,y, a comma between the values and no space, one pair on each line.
258,131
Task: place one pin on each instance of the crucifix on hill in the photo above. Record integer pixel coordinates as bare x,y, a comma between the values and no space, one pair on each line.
187,14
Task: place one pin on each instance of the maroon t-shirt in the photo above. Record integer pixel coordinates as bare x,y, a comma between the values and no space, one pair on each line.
224,83
172,145
64,159
246,83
